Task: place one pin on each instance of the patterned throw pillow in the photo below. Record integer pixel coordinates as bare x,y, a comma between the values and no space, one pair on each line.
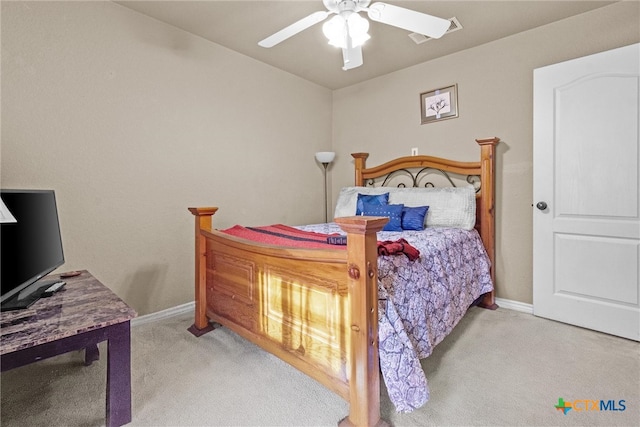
413,217
348,199
394,212
372,199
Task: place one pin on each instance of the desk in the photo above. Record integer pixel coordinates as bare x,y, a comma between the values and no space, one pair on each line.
81,315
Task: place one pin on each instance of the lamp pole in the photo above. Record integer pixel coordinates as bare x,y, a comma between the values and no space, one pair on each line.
325,192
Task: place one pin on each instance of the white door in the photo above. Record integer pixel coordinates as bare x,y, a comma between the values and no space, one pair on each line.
586,154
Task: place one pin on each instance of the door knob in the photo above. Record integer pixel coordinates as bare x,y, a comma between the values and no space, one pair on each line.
541,205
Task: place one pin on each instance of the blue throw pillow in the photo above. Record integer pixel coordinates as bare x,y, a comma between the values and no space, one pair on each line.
413,217
373,199
394,212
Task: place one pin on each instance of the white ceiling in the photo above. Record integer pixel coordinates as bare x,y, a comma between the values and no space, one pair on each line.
239,25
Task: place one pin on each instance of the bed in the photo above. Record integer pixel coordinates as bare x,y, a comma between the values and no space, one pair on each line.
332,311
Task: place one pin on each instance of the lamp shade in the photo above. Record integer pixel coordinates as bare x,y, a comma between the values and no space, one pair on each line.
335,30
358,28
325,156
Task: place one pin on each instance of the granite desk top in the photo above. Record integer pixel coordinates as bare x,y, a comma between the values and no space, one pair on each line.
84,304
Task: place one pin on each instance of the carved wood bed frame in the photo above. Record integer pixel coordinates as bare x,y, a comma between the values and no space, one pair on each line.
317,309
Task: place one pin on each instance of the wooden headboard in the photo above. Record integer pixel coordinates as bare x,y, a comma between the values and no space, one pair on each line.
481,174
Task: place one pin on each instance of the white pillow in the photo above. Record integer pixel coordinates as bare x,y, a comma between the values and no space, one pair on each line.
448,207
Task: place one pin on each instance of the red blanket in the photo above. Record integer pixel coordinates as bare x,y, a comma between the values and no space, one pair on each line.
283,235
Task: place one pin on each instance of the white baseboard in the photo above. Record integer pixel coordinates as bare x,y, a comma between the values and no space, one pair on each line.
164,314
515,305
190,306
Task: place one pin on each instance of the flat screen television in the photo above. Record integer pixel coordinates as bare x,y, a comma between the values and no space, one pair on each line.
30,247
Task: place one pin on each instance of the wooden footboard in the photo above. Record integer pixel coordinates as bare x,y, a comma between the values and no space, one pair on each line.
316,309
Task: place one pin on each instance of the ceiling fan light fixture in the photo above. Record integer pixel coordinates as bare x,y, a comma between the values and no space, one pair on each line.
358,28
334,30
338,29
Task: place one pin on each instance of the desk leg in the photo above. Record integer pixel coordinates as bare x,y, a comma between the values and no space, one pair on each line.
119,375
91,354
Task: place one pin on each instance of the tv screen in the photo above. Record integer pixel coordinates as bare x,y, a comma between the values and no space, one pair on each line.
30,247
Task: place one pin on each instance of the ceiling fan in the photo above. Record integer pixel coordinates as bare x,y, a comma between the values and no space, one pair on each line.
348,30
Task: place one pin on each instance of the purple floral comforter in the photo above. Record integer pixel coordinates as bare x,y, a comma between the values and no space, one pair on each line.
421,301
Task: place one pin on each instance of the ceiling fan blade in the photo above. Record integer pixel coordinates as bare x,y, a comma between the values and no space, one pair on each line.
352,57
294,29
411,20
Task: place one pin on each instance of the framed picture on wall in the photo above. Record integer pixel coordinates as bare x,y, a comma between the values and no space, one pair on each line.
439,104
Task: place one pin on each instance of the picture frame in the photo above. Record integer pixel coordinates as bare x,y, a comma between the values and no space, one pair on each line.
439,104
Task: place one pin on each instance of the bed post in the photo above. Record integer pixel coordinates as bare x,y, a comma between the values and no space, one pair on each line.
360,163
203,222
487,210
364,362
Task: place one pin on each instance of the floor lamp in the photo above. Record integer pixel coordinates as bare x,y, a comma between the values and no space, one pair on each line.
325,157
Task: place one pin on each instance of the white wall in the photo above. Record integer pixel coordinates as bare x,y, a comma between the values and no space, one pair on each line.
131,121
495,86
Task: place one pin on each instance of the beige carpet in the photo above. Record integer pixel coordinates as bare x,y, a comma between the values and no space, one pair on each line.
497,368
